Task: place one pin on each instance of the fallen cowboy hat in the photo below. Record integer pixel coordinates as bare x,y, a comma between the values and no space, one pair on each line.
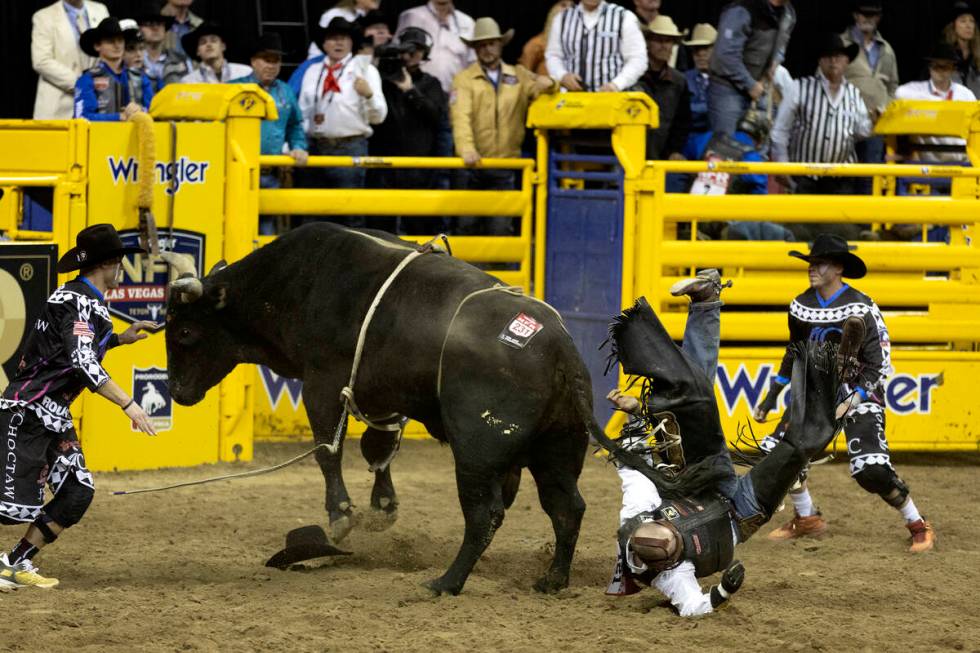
148,11
831,44
107,29
702,35
190,40
663,26
94,245
269,42
942,51
834,248
339,25
302,544
487,29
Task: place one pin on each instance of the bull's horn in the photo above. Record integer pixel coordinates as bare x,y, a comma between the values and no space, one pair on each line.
189,289
183,263
218,267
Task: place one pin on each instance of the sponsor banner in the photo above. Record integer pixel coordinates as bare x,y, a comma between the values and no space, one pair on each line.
27,278
151,392
142,293
173,175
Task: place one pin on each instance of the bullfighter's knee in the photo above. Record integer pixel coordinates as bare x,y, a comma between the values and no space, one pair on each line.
70,503
883,481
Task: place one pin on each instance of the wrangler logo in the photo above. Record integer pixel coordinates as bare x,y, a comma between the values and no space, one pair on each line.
174,175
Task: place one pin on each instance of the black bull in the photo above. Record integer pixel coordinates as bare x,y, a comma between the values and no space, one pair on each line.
297,305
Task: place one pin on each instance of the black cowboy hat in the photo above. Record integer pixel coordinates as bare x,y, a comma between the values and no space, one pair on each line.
339,25
868,7
831,44
189,40
942,51
960,8
268,42
93,245
834,248
304,543
148,11
107,29
375,17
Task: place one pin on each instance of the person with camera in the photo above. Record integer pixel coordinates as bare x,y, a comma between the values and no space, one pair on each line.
417,107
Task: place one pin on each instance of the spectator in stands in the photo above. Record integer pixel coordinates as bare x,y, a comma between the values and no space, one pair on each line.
596,46
208,45
940,86
647,10
962,34
875,73
56,55
448,27
820,124
701,45
668,88
489,105
752,40
349,10
376,29
532,56
341,98
185,21
133,54
286,133
104,92
163,65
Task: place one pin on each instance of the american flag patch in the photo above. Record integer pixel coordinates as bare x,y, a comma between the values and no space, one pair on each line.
82,329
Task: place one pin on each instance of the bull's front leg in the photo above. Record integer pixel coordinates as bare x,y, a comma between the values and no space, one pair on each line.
324,412
379,449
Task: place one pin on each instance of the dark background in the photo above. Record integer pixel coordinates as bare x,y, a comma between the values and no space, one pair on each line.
911,26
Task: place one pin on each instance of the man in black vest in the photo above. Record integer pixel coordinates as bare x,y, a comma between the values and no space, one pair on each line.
752,40
61,358
674,532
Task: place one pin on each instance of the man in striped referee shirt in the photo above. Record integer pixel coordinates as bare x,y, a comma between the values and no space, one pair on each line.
596,46
820,123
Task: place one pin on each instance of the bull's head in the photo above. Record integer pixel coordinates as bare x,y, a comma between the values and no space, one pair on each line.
200,346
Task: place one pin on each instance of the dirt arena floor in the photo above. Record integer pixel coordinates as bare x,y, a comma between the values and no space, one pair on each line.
183,571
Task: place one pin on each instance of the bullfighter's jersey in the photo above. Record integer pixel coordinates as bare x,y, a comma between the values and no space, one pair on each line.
63,354
811,317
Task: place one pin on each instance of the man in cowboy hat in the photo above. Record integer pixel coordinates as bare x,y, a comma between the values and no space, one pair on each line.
828,310
668,88
488,107
820,122
287,129
207,45
105,92
61,357
701,45
162,65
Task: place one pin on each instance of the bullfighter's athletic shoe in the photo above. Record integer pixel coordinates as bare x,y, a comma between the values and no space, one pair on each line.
23,574
923,536
705,287
812,526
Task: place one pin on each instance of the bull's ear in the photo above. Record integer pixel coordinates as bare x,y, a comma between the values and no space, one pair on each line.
218,293
218,267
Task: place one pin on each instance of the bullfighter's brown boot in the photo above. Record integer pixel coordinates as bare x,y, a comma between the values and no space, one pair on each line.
812,526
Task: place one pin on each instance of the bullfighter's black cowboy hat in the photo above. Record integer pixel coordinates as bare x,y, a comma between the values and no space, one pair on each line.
834,248
93,245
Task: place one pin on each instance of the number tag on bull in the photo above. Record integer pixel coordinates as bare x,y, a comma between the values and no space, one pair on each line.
520,331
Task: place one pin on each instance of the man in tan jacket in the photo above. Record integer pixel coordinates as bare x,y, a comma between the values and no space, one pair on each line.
874,71
488,106
56,55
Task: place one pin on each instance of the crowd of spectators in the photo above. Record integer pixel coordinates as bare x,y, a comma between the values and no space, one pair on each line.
432,82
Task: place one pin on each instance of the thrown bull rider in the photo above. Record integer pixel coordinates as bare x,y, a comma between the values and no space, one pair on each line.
684,507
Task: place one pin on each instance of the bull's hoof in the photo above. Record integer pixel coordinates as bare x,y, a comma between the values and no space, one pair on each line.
551,584
379,520
342,526
440,587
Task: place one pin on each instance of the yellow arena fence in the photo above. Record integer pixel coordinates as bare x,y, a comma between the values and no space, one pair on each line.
207,202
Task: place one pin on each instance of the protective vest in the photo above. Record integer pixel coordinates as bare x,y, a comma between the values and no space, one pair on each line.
110,94
705,527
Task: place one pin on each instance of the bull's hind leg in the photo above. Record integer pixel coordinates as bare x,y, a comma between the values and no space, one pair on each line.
481,497
378,448
556,470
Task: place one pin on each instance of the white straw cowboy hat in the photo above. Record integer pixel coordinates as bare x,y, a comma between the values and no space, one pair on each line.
487,29
702,35
664,26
